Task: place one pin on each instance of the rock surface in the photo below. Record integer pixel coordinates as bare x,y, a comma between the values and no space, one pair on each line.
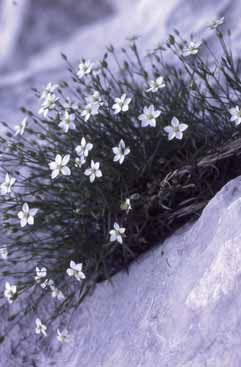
179,306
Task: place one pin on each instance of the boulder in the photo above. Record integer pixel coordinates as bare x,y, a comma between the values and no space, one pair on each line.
178,306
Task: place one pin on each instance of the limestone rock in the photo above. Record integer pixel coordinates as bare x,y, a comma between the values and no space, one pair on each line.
179,309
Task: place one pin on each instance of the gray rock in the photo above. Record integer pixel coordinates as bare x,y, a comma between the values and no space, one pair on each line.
28,26
179,309
30,46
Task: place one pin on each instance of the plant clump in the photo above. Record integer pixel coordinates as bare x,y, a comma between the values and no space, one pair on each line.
114,161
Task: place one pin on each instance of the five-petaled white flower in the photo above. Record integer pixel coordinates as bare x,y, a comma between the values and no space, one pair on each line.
192,49
85,68
94,98
84,148
26,215
63,336
149,116
75,270
235,115
94,171
48,104
120,152
41,273
82,151
57,293
59,166
91,109
4,252
10,292
68,122
6,186
215,23
126,205
40,328
49,89
157,84
117,233
19,129
121,104
176,129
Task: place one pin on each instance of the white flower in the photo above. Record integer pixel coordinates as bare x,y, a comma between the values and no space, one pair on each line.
48,104
157,84
75,270
85,68
26,215
149,116
126,205
40,274
82,151
117,233
176,129
63,336
84,148
192,49
10,292
40,328
94,98
121,104
59,166
49,89
21,127
69,105
6,186
91,109
120,152
68,122
215,23
235,115
57,293
4,253
94,171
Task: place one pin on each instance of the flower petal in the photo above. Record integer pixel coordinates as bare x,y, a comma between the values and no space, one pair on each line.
66,159
66,171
